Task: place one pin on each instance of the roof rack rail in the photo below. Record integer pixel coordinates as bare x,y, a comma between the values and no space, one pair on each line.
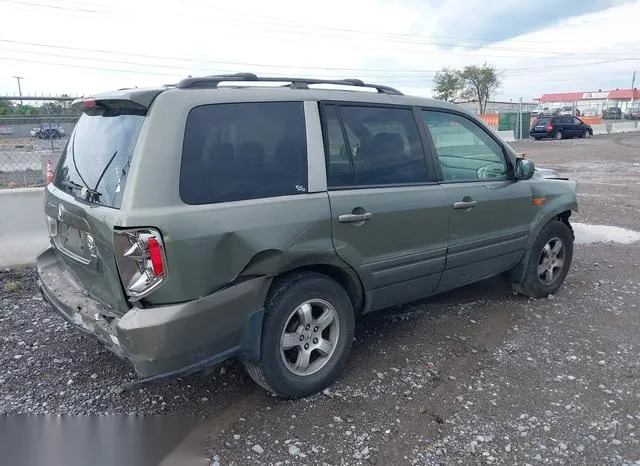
212,82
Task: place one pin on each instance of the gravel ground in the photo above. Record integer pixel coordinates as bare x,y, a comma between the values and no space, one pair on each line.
475,376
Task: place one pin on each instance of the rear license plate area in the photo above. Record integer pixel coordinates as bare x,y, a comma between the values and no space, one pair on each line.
72,241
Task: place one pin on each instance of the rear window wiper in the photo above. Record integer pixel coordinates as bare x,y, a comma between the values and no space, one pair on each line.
90,194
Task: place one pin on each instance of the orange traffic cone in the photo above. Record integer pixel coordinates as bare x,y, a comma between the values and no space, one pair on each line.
49,172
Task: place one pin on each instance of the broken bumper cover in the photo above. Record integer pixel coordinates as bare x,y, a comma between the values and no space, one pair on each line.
164,341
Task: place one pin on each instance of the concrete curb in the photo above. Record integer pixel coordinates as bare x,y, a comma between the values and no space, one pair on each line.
507,135
21,190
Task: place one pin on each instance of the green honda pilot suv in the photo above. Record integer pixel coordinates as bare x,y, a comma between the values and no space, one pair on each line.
204,220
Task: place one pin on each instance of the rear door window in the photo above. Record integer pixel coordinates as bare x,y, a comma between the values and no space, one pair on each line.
372,146
241,151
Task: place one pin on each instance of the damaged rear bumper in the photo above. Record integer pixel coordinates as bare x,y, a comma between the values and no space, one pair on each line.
163,341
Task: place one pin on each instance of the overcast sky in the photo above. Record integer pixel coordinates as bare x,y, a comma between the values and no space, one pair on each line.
540,46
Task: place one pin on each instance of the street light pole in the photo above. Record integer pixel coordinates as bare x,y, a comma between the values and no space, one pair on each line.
18,78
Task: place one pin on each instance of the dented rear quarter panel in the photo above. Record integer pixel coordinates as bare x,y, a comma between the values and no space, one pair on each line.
211,246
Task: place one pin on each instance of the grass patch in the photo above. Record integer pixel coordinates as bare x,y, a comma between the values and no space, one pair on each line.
11,287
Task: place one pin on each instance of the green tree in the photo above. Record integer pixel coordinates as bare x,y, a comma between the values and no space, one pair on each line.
448,85
6,107
480,82
26,110
52,108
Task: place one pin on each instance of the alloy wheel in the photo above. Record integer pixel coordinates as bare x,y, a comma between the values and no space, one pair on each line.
551,261
309,337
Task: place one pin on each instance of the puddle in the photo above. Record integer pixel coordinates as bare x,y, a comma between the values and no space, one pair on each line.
586,234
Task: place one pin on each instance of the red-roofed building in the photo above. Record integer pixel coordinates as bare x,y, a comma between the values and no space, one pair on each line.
597,100
561,97
625,94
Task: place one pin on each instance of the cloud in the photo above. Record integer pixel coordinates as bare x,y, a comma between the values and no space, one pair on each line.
481,23
81,49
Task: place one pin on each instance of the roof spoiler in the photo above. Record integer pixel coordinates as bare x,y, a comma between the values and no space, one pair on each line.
139,99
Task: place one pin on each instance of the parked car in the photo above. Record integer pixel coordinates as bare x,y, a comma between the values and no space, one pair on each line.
34,132
191,224
633,113
49,133
612,113
568,110
559,127
540,112
590,112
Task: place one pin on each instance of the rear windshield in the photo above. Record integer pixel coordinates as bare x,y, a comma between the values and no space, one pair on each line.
543,121
241,151
96,160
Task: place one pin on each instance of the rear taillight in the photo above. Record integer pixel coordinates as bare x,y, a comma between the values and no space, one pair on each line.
155,253
549,127
141,259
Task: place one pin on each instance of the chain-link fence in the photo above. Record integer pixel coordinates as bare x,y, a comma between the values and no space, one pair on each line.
32,134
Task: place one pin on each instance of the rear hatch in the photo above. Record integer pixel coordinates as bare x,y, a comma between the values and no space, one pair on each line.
83,202
540,125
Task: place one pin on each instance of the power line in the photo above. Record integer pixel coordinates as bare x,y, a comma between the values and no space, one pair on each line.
307,25
417,39
38,62
219,62
53,7
384,73
174,76
421,39
406,39
525,70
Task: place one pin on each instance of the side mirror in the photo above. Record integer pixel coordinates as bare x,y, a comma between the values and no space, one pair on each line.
524,169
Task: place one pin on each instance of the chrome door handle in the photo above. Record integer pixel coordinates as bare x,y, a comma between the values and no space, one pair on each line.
464,204
354,218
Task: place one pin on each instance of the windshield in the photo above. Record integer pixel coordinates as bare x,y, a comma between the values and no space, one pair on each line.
95,162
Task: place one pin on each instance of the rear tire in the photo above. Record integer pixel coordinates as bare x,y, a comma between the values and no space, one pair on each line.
558,135
306,336
549,261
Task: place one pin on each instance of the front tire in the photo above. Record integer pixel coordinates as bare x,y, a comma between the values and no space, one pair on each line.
306,336
549,261
586,134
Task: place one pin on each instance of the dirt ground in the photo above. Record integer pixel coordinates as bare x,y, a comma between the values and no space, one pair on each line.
23,160
474,376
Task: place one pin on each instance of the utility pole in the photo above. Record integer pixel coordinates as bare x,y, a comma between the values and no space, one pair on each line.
633,83
18,78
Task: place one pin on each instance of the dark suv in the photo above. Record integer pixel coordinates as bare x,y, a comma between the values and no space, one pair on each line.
612,113
559,127
197,222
